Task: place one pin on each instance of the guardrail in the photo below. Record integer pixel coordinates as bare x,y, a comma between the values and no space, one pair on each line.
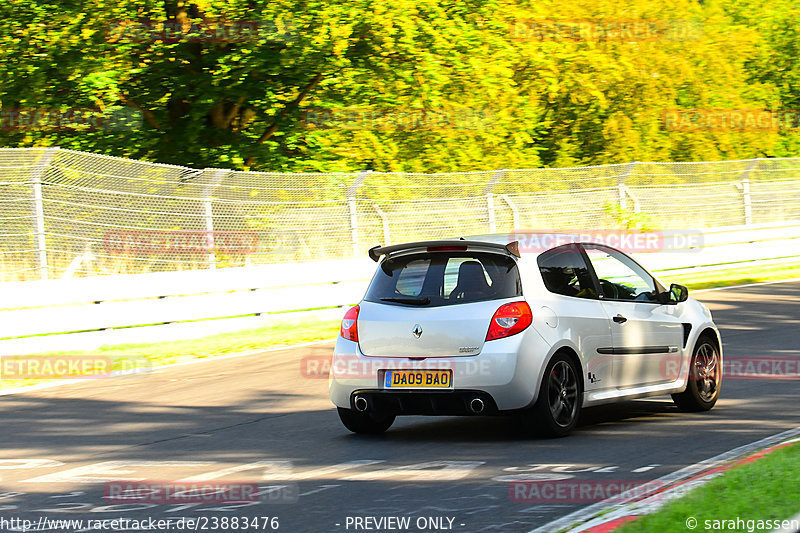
32,309
731,246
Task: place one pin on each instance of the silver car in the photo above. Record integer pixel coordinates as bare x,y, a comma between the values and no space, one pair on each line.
467,327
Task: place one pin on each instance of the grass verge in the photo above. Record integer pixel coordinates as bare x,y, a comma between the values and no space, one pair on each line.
765,489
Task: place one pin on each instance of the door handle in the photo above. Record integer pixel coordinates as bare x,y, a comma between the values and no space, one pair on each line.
619,319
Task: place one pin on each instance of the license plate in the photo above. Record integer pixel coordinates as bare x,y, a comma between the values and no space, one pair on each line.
403,379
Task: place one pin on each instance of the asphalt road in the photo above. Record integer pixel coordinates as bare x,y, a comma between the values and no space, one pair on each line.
258,419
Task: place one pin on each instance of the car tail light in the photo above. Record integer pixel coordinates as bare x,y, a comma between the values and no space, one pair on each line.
509,320
349,328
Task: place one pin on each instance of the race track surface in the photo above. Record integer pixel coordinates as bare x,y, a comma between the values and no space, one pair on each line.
258,419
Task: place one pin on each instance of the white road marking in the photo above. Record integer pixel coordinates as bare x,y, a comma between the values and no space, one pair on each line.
428,471
567,468
532,477
553,467
181,507
12,464
271,468
324,472
646,468
320,489
70,495
107,471
608,469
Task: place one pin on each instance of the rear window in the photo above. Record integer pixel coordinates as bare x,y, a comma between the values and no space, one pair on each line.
445,278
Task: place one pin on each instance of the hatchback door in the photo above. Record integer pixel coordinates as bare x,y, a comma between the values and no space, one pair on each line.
435,304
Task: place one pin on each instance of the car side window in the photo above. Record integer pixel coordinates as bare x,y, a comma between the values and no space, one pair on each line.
565,272
620,277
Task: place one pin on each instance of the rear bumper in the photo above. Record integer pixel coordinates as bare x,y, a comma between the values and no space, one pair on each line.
414,402
505,375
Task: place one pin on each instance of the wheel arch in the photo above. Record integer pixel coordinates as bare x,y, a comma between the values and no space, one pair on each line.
713,335
689,399
542,416
569,351
573,355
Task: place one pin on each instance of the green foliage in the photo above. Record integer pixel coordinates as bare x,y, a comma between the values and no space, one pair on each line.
626,218
482,87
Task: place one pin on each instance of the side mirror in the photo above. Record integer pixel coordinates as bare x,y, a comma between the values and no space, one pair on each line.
675,294
679,292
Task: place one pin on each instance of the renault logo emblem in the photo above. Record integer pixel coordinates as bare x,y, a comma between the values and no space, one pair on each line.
417,331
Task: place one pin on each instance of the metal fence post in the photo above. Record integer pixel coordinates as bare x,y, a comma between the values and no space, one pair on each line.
748,206
497,175
217,175
514,211
352,207
622,189
38,211
491,214
745,188
387,238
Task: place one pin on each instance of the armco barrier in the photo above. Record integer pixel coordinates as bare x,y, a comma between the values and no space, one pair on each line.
102,302
49,307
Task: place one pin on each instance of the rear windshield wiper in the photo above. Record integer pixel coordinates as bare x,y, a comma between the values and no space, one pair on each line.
411,301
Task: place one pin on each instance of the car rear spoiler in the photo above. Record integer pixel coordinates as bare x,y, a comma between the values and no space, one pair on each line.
376,252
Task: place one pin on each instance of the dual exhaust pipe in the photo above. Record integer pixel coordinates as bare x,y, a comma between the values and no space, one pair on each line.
361,404
476,405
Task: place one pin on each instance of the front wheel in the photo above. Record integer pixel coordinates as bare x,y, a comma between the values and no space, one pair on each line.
365,423
705,378
556,411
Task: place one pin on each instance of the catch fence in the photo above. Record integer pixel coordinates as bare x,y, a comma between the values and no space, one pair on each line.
68,214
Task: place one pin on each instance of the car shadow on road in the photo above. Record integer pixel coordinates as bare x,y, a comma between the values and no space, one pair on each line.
512,427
